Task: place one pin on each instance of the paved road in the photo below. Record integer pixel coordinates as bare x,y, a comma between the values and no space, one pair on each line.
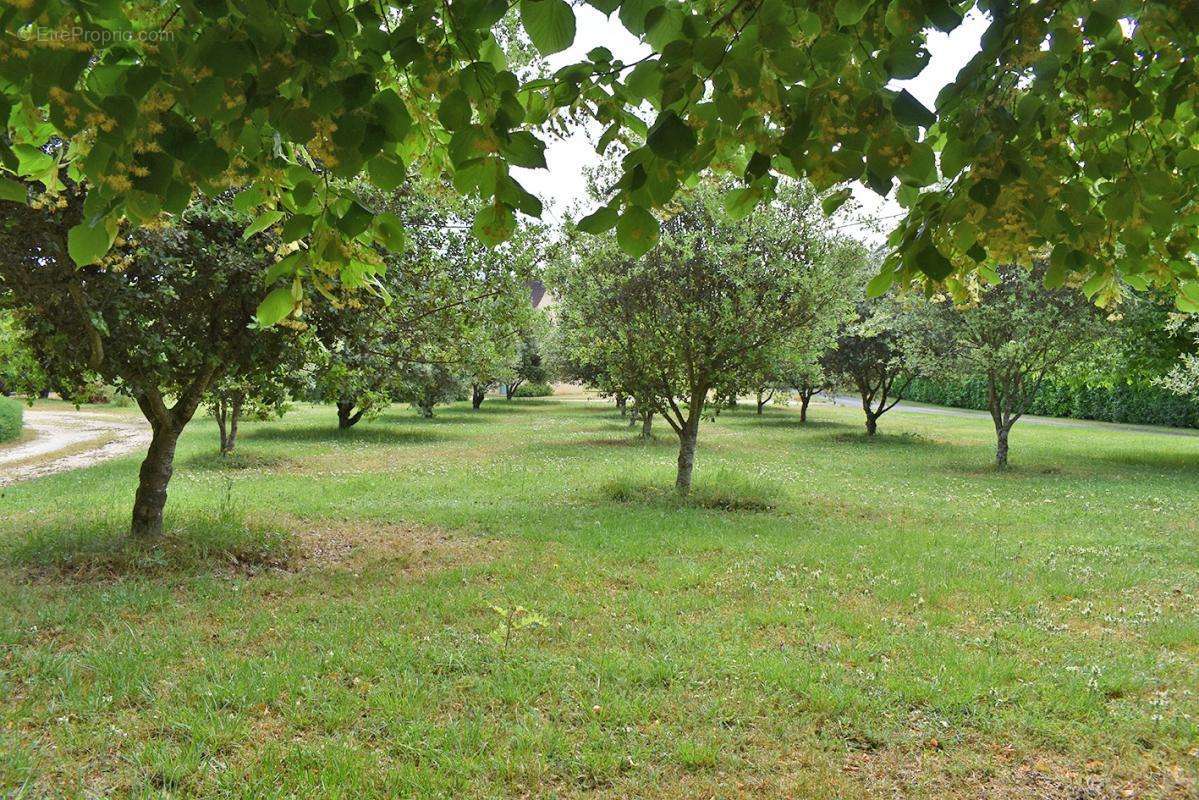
65,440
920,408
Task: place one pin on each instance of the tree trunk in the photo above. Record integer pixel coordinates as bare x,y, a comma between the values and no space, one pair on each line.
804,399
647,425
221,411
346,416
477,393
234,418
228,414
687,438
871,423
1001,432
153,478
761,402
622,404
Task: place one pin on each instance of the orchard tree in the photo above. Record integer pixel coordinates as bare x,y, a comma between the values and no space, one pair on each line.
426,386
692,316
808,380
1069,134
263,387
1013,332
793,361
528,365
165,317
439,303
880,352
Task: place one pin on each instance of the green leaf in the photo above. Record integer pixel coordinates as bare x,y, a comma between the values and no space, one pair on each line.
263,221
933,264
387,172
454,111
880,284
356,220
391,113
985,192
12,191
494,224
637,231
921,167
389,231
250,199
549,23
87,244
299,226
671,138
739,202
599,221
910,111
850,12
276,306
523,149
832,202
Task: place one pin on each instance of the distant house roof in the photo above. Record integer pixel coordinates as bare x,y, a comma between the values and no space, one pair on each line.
537,293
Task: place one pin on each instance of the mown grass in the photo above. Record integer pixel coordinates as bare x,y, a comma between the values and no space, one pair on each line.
829,616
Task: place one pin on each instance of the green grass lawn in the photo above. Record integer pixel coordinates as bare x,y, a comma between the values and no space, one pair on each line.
900,620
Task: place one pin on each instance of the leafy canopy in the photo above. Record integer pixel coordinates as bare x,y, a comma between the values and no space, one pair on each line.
1071,134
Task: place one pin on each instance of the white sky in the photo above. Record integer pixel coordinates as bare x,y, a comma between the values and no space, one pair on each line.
563,183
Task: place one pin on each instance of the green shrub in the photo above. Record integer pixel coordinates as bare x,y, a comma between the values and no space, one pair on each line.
11,414
534,390
1137,403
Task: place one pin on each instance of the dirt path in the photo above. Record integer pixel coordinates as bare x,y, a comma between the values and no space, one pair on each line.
65,440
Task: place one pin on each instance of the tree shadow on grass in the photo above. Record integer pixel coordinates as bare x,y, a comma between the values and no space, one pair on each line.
885,441
331,434
791,422
631,441
450,415
1155,461
238,461
192,544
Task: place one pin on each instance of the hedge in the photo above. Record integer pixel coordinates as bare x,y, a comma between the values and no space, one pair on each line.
1142,404
11,413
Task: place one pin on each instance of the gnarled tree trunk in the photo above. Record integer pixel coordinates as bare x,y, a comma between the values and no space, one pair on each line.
1001,433
155,474
477,393
871,423
647,425
347,417
153,477
763,398
804,399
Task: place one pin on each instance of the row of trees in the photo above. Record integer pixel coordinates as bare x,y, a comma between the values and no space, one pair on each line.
777,302
174,318
725,306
